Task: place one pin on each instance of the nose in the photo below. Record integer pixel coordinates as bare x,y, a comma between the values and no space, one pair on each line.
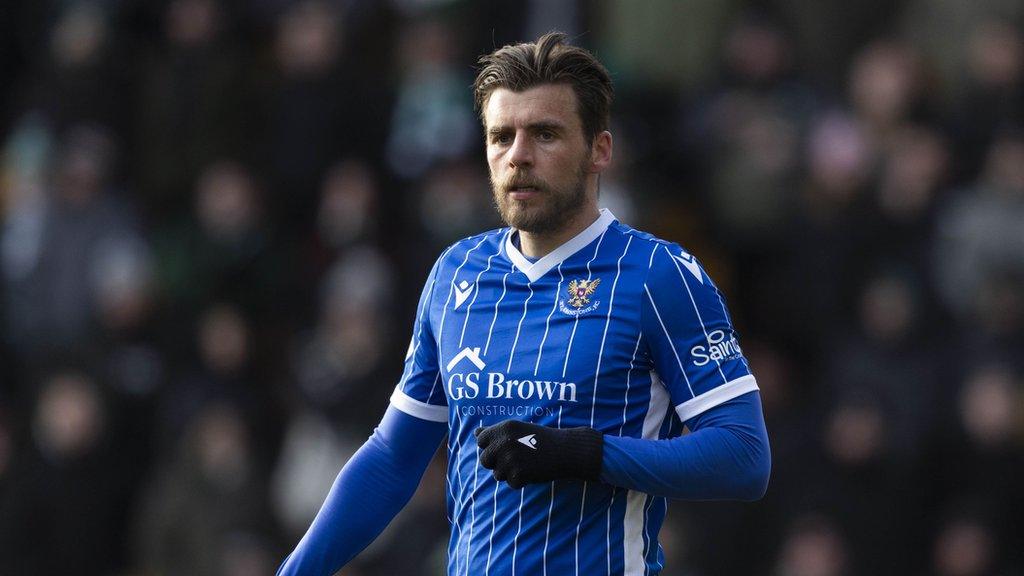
521,153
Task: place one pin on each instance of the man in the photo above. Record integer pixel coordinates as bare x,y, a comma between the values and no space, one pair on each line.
562,355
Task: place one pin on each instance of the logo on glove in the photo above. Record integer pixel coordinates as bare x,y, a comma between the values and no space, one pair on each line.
529,441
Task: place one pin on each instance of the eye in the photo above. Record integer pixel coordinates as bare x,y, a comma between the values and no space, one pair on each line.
501,138
546,135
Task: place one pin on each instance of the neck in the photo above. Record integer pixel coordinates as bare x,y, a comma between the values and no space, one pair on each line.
535,245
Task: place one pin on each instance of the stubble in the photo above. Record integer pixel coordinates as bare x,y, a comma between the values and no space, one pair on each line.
549,210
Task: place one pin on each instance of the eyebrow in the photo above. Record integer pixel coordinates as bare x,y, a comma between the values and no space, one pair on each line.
535,127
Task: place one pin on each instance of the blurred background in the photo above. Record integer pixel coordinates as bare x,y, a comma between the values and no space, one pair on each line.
216,217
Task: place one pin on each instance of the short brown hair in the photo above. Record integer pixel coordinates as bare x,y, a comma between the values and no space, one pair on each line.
549,60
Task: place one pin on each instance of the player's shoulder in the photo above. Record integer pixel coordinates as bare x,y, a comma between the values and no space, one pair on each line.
456,252
651,243
665,261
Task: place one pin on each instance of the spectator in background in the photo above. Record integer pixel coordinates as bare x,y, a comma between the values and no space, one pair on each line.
826,237
83,76
913,172
450,205
891,357
976,458
127,340
880,391
311,451
225,250
997,332
993,95
336,367
746,135
879,395
246,554
23,187
123,281
126,349
318,107
65,501
339,365
860,481
978,254
208,495
887,88
634,37
432,121
349,215
50,304
745,141
223,367
965,546
349,206
194,105
813,546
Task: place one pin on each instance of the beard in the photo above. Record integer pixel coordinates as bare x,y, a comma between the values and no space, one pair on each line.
549,209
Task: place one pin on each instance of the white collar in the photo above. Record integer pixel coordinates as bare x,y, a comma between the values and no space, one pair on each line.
534,270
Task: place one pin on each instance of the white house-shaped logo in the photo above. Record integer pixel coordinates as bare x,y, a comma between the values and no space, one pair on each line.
472,354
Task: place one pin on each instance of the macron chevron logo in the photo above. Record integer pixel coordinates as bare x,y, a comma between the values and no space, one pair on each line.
691,265
529,441
473,354
462,291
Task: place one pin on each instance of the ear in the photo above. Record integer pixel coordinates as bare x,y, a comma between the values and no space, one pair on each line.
601,152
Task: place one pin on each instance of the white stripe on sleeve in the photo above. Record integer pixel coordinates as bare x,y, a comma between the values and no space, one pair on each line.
716,396
414,407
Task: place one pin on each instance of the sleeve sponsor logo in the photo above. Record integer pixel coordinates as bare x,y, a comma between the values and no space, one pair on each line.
717,349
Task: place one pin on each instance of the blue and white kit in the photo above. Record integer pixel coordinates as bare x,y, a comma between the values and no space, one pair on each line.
616,330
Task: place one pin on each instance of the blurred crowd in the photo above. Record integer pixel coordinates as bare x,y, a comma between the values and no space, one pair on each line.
216,217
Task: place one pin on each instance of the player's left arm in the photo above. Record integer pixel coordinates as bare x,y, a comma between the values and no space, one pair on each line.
725,457
696,353
692,344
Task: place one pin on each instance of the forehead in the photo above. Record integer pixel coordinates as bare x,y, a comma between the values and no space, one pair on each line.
547,103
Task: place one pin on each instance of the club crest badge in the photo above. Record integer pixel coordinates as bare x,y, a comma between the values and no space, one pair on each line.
580,291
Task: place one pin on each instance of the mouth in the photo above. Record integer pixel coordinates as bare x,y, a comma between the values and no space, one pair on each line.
523,192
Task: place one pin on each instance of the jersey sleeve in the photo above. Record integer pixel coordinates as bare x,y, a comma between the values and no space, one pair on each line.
691,340
419,393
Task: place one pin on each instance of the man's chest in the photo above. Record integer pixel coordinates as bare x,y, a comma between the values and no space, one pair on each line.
511,348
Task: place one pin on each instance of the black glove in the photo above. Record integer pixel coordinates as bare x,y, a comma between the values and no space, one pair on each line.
522,453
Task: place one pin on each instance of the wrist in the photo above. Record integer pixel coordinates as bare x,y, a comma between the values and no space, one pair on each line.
584,453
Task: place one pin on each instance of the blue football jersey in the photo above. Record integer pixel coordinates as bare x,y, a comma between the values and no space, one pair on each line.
616,330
